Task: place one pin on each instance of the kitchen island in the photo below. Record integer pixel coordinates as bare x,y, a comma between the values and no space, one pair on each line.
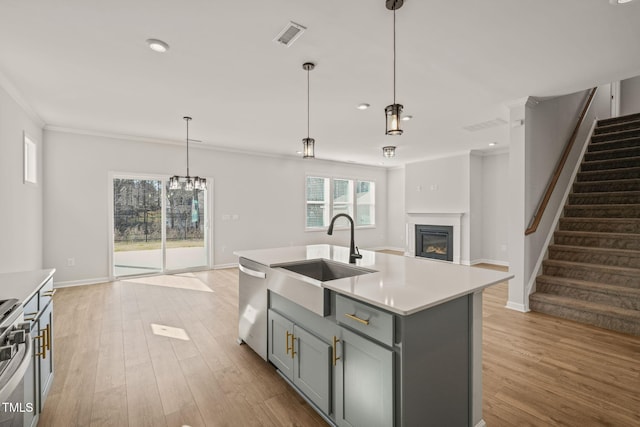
396,341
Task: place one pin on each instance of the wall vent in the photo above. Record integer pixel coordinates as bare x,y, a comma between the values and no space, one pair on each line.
289,34
485,125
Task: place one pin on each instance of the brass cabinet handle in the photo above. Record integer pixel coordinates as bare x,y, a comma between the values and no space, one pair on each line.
289,348
48,329
43,345
293,351
335,357
357,319
50,293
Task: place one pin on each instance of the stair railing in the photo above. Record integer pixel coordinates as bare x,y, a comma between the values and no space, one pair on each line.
535,221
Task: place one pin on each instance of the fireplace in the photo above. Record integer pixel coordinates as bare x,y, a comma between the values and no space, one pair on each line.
434,241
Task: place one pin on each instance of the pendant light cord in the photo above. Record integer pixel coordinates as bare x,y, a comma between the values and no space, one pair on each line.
187,120
308,103
394,56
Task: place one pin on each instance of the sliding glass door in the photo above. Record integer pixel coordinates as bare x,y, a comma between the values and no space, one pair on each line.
185,229
155,229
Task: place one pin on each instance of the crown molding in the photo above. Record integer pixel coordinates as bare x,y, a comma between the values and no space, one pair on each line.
203,146
16,95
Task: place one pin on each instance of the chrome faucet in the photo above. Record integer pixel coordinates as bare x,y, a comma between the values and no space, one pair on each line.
353,249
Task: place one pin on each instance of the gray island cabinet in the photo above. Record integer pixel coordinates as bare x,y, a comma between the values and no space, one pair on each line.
390,346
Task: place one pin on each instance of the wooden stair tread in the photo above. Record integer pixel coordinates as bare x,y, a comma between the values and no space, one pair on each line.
588,306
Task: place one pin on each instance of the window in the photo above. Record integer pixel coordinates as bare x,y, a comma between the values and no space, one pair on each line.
327,197
342,197
365,203
318,202
30,161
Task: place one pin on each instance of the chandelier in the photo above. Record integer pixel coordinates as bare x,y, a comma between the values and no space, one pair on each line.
190,182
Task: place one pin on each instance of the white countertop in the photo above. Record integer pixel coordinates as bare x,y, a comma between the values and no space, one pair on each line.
23,284
402,285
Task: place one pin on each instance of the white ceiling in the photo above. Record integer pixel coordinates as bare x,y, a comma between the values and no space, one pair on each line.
85,65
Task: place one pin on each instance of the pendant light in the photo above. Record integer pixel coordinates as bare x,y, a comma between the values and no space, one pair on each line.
190,183
389,151
393,112
308,150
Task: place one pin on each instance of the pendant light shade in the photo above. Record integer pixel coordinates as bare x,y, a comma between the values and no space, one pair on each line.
308,148
389,151
308,143
191,183
393,112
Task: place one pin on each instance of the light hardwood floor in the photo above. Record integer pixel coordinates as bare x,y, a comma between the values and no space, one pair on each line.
112,370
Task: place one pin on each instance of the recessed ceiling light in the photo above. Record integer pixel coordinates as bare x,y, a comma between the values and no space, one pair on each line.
157,45
363,106
298,152
406,118
491,144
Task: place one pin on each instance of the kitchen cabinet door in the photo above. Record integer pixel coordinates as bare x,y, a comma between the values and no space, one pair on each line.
46,361
364,382
280,343
312,368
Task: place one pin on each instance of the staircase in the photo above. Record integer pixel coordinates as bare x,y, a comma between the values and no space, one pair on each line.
592,274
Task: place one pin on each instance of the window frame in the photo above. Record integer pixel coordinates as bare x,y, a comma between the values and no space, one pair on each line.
353,203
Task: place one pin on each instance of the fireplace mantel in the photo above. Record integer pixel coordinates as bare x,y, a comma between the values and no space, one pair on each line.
451,218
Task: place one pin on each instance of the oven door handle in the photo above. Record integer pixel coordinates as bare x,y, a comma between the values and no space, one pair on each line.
253,273
18,374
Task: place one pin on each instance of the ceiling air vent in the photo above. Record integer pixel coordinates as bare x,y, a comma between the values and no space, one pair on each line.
289,34
485,125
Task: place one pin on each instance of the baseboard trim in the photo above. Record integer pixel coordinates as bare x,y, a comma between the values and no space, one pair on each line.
72,283
516,306
225,266
386,248
490,261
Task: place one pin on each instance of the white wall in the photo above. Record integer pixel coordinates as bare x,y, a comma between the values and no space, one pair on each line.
266,193
396,229
630,96
438,185
441,185
495,188
21,206
476,208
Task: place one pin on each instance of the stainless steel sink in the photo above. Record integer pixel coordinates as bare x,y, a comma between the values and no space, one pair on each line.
324,271
301,282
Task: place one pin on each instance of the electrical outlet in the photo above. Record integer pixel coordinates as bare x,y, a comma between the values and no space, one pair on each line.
71,262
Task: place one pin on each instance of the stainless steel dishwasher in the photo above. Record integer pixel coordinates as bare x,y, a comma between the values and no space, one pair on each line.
252,306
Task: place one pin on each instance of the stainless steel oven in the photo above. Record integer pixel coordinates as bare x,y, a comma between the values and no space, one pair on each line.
16,366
